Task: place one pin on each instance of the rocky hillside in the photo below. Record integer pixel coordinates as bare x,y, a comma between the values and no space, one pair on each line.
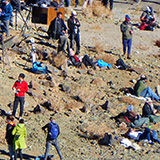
76,96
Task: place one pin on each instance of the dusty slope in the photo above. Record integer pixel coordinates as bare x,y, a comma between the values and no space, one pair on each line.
72,121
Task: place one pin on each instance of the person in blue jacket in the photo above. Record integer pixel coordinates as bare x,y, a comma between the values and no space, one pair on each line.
6,12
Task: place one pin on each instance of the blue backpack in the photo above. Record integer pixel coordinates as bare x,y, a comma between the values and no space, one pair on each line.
54,131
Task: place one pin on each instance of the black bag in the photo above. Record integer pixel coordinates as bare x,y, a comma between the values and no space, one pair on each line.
106,140
121,63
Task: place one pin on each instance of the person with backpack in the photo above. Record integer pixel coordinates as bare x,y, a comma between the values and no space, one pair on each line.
9,137
127,31
19,132
53,133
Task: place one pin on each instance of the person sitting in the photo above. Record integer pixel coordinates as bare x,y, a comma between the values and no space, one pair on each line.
57,30
83,59
141,90
139,135
149,111
148,19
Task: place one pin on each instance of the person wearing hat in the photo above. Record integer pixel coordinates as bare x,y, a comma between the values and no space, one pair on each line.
149,111
52,135
148,18
141,90
19,88
74,31
127,31
6,13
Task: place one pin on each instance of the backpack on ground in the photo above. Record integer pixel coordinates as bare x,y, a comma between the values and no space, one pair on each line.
54,131
106,140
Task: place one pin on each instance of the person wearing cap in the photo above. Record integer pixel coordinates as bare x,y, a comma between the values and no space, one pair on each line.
19,88
6,13
148,19
149,111
73,25
127,31
57,30
50,140
141,90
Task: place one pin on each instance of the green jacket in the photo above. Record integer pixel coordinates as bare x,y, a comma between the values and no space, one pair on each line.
126,31
19,143
139,87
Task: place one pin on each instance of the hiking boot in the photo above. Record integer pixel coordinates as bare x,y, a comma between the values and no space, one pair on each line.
128,57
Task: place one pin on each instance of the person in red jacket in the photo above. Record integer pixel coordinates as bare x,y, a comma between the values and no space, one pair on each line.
19,87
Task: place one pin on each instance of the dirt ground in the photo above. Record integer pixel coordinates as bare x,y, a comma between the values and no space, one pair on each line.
95,32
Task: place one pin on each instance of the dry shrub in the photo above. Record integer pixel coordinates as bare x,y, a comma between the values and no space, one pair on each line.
106,58
93,131
97,9
96,27
157,43
128,100
99,47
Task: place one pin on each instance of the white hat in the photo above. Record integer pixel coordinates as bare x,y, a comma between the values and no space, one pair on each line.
74,13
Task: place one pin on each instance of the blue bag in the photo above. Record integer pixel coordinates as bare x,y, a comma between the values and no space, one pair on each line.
54,131
39,68
101,63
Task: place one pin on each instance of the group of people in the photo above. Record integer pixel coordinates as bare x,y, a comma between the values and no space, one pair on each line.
148,22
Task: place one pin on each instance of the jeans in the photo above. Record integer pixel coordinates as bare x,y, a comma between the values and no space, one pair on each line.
11,151
75,37
145,135
55,144
147,92
20,154
16,101
154,118
155,136
77,2
127,43
6,26
63,43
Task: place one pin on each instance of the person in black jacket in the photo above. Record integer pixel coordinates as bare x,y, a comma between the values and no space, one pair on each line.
73,25
57,30
50,140
9,137
149,111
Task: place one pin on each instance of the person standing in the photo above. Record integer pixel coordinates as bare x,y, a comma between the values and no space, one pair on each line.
57,30
19,87
19,132
127,31
53,133
73,25
6,13
9,137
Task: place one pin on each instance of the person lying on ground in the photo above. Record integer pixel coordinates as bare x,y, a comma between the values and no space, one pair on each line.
141,90
149,111
77,61
132,119
139,135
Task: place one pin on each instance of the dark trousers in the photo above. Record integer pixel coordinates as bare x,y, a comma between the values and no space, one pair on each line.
87,61
20,154
16,101
108,2
127,43
6,27
55,144
75,37
77,2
